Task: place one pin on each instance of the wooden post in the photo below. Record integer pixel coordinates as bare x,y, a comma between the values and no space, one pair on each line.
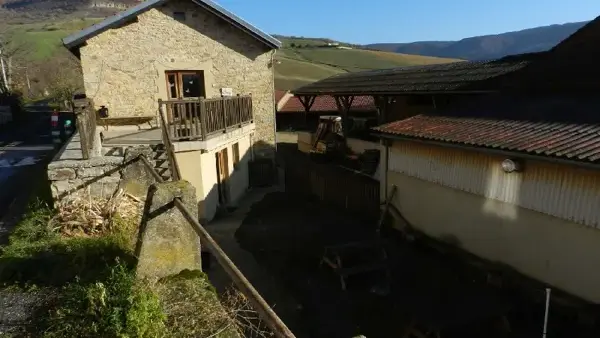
83,133
382,103
202,118
240,107
307,102
344,103
223,113
161,114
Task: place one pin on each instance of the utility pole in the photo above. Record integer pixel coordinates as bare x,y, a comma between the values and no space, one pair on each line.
28,83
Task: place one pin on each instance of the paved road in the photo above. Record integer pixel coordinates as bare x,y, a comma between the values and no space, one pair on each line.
21,148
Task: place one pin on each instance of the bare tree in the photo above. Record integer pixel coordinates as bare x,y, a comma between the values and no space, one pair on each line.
62,77
10,49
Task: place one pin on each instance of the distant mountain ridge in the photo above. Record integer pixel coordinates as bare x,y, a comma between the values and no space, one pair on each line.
488,46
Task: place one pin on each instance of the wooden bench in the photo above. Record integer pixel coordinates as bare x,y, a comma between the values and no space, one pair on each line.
125,121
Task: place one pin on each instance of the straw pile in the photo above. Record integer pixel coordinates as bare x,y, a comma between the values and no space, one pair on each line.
86,216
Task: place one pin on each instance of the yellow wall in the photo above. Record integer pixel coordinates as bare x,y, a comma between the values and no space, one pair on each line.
542,221
200,169
305,141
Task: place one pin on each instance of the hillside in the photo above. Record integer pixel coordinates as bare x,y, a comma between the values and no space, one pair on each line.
294,66
298,66
488,46
45,8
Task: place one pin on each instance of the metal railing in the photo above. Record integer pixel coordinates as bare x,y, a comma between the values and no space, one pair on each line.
263,309
203,118
86,125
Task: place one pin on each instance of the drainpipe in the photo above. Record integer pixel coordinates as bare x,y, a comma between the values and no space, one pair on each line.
251,147
273,98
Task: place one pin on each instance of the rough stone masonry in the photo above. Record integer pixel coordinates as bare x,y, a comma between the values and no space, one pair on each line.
98,176
124,68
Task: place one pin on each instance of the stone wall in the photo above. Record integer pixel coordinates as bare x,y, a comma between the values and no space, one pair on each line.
97,176
124,68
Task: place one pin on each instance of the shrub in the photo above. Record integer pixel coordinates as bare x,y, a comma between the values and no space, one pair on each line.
118,307
37,254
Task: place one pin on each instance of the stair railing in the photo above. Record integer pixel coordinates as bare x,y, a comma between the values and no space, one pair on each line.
169,148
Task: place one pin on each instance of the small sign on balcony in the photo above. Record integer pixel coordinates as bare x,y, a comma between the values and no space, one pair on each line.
226,92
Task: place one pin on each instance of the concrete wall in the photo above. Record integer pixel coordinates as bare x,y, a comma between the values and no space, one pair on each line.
124,68
359,146
542,221
199,167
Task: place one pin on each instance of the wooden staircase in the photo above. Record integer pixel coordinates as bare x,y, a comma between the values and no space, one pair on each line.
158,158
161,161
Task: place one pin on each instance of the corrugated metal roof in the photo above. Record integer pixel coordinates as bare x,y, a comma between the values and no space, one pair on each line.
326,103
76,39
574,136
448,77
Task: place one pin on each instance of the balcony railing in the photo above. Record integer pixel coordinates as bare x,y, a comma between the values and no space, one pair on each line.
201,119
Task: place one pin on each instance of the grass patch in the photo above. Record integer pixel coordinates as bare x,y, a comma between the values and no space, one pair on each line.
119,306
38,255
192,308
86,286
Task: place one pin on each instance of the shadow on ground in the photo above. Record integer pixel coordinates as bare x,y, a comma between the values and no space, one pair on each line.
287,234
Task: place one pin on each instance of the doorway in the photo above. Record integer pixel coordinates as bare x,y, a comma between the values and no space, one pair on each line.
222,176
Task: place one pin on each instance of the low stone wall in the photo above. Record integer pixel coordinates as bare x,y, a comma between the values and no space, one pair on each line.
99,176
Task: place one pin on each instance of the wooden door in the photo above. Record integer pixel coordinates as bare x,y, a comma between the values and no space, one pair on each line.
222,176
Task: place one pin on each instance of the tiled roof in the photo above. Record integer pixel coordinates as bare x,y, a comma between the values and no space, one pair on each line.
326,103
279,94
448,77
538,129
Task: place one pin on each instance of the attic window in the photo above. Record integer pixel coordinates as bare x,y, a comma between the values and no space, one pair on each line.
179,16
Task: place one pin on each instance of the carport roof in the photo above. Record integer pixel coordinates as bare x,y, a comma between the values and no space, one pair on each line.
462,76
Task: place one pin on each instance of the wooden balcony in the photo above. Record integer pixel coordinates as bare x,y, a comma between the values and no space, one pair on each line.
202,119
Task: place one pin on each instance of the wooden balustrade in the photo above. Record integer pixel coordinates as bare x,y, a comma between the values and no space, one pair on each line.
204,118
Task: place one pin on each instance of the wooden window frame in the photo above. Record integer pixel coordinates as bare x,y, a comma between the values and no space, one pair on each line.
179,83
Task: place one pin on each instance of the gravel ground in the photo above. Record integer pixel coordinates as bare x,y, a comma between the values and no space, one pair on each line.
18,310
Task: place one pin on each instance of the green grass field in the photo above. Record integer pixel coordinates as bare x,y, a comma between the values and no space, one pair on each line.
294,67
299,66
42,40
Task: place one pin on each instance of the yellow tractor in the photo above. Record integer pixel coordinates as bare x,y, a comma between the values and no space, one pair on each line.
328,137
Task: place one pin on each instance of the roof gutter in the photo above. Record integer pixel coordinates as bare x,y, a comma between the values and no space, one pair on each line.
511,154
396,93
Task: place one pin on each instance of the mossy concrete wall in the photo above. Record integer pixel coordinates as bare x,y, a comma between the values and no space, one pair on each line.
168,244
124,68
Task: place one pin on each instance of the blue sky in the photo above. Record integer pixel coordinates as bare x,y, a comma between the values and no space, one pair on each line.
369,21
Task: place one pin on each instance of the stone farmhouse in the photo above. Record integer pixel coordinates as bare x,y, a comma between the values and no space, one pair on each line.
201,73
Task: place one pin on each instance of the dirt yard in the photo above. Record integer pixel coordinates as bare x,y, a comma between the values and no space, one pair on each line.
287,235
